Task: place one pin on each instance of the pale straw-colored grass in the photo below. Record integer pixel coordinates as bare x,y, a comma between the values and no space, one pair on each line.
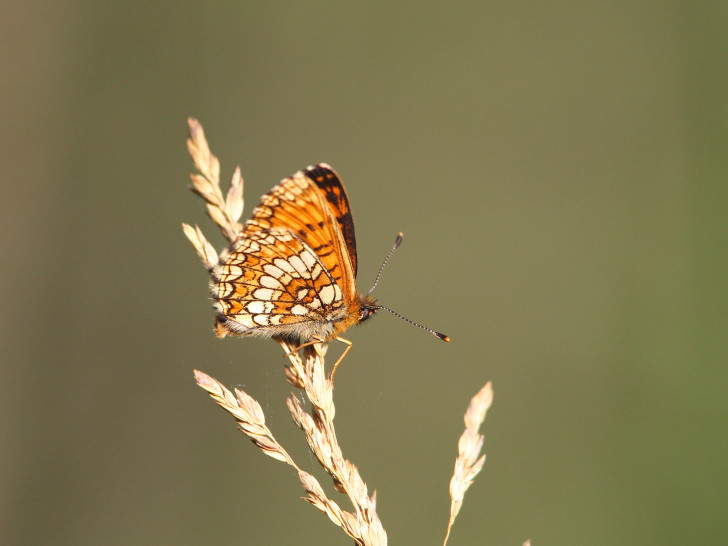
469,460
362,524
306,371
224,211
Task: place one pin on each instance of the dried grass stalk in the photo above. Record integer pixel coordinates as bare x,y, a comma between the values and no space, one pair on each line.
469,461
308,373
205,250
363,524
247,413
318,427
225,212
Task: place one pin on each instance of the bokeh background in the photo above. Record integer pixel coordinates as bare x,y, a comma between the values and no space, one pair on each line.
559,171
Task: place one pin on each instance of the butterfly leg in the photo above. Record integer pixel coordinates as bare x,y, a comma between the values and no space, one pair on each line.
294,350
348,344
288,349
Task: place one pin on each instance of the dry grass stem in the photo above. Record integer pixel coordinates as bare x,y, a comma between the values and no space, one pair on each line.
247,413
469,461
363,524
307,372
205,250
318,427
225,212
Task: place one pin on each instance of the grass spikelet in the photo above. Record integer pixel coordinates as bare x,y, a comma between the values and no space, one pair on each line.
469,461
224,212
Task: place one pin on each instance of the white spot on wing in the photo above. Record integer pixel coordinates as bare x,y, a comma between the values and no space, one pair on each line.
264,294
245,320
273,271
270,282
231,269
299,266
327,294
257,307
309,259
284,265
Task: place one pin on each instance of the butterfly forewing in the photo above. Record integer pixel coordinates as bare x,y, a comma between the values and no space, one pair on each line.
300,205
335,194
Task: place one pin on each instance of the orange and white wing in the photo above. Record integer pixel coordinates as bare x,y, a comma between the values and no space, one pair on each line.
291,272
314,205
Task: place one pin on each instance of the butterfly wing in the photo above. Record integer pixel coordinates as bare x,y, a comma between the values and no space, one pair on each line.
314,205
290,272
333,189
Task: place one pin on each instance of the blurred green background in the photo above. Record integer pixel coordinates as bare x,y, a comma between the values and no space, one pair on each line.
559,171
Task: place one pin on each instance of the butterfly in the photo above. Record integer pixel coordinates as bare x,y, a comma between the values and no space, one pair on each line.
291,273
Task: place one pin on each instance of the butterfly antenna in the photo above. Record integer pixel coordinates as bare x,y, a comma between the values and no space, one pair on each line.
433,332
397,242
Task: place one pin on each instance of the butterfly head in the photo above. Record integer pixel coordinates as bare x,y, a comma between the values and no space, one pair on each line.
368,307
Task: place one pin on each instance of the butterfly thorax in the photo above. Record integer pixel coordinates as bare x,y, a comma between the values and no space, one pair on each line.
359,310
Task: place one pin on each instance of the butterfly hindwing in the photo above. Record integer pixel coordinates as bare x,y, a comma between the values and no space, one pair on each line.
273,282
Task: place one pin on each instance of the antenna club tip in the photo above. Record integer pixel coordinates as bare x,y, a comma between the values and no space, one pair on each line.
443,337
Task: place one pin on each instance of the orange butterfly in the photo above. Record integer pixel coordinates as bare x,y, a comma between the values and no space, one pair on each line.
291,273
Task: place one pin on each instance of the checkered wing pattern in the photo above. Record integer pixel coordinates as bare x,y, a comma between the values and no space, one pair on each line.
292,271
